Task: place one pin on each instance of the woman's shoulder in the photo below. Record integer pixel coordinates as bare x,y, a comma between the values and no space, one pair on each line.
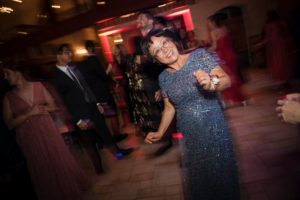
198,52
38,85
163,77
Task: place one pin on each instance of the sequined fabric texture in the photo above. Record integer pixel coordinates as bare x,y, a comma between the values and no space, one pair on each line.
209,165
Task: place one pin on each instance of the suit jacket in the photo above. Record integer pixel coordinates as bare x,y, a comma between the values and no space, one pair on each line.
71,95
75,103
96,77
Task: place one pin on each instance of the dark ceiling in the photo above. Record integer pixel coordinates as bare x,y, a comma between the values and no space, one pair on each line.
22,27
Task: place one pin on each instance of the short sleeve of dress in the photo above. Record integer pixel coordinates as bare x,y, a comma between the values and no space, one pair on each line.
162,83
209,59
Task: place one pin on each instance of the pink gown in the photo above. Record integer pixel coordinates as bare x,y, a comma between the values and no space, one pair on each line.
228,57
279,48
54,172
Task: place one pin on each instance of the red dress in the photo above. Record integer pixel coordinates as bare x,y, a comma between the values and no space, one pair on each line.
53,169
279,57
228,58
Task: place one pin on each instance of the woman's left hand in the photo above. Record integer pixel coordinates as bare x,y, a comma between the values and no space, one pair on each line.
203,79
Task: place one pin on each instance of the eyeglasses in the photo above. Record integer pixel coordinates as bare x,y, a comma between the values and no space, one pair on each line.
157,51
67,52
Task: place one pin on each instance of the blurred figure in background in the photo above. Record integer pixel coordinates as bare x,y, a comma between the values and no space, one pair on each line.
15,181
160,22
120,89
192,42
149,72
26,109
101,84
295,30
280,56
83,106
183,38
221,42
120,56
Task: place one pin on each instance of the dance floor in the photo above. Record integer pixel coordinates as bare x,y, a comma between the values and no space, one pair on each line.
268,154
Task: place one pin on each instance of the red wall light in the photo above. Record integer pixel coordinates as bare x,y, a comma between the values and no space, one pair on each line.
187,17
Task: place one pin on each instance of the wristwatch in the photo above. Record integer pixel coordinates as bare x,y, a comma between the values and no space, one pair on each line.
215,81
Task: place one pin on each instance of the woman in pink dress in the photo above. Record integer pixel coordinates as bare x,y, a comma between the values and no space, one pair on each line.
279,48
53,170
221,42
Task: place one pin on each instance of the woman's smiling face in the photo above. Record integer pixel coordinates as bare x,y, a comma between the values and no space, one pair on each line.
164,50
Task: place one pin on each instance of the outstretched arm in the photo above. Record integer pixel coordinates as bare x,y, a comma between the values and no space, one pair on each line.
167,117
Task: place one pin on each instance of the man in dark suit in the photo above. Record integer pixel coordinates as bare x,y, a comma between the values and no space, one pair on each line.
82,105
100,82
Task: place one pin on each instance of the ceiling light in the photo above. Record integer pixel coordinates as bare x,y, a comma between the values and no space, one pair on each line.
22,33
101,2
18,1
55,6
163,5
81,51
6,9
118,40
42,16
127,15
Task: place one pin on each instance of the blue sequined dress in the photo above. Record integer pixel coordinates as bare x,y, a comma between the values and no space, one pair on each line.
209,165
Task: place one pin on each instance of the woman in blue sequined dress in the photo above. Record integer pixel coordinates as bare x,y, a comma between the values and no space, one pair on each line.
189,87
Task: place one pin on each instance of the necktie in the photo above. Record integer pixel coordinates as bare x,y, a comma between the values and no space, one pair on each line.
88,96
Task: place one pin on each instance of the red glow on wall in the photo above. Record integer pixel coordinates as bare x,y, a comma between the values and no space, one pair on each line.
181,12
104,20
109,32
187,17
106,47
105,42
104,33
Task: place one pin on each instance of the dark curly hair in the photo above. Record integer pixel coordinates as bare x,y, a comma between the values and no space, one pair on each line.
218,19
147,41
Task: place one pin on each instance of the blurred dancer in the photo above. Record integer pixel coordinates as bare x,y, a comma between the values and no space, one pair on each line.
53,169
279,48
222,43
147,23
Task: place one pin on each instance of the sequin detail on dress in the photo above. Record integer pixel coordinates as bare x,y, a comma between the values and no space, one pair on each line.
209,165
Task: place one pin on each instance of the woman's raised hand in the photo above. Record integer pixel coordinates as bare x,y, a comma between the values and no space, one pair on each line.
153,137
203,79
